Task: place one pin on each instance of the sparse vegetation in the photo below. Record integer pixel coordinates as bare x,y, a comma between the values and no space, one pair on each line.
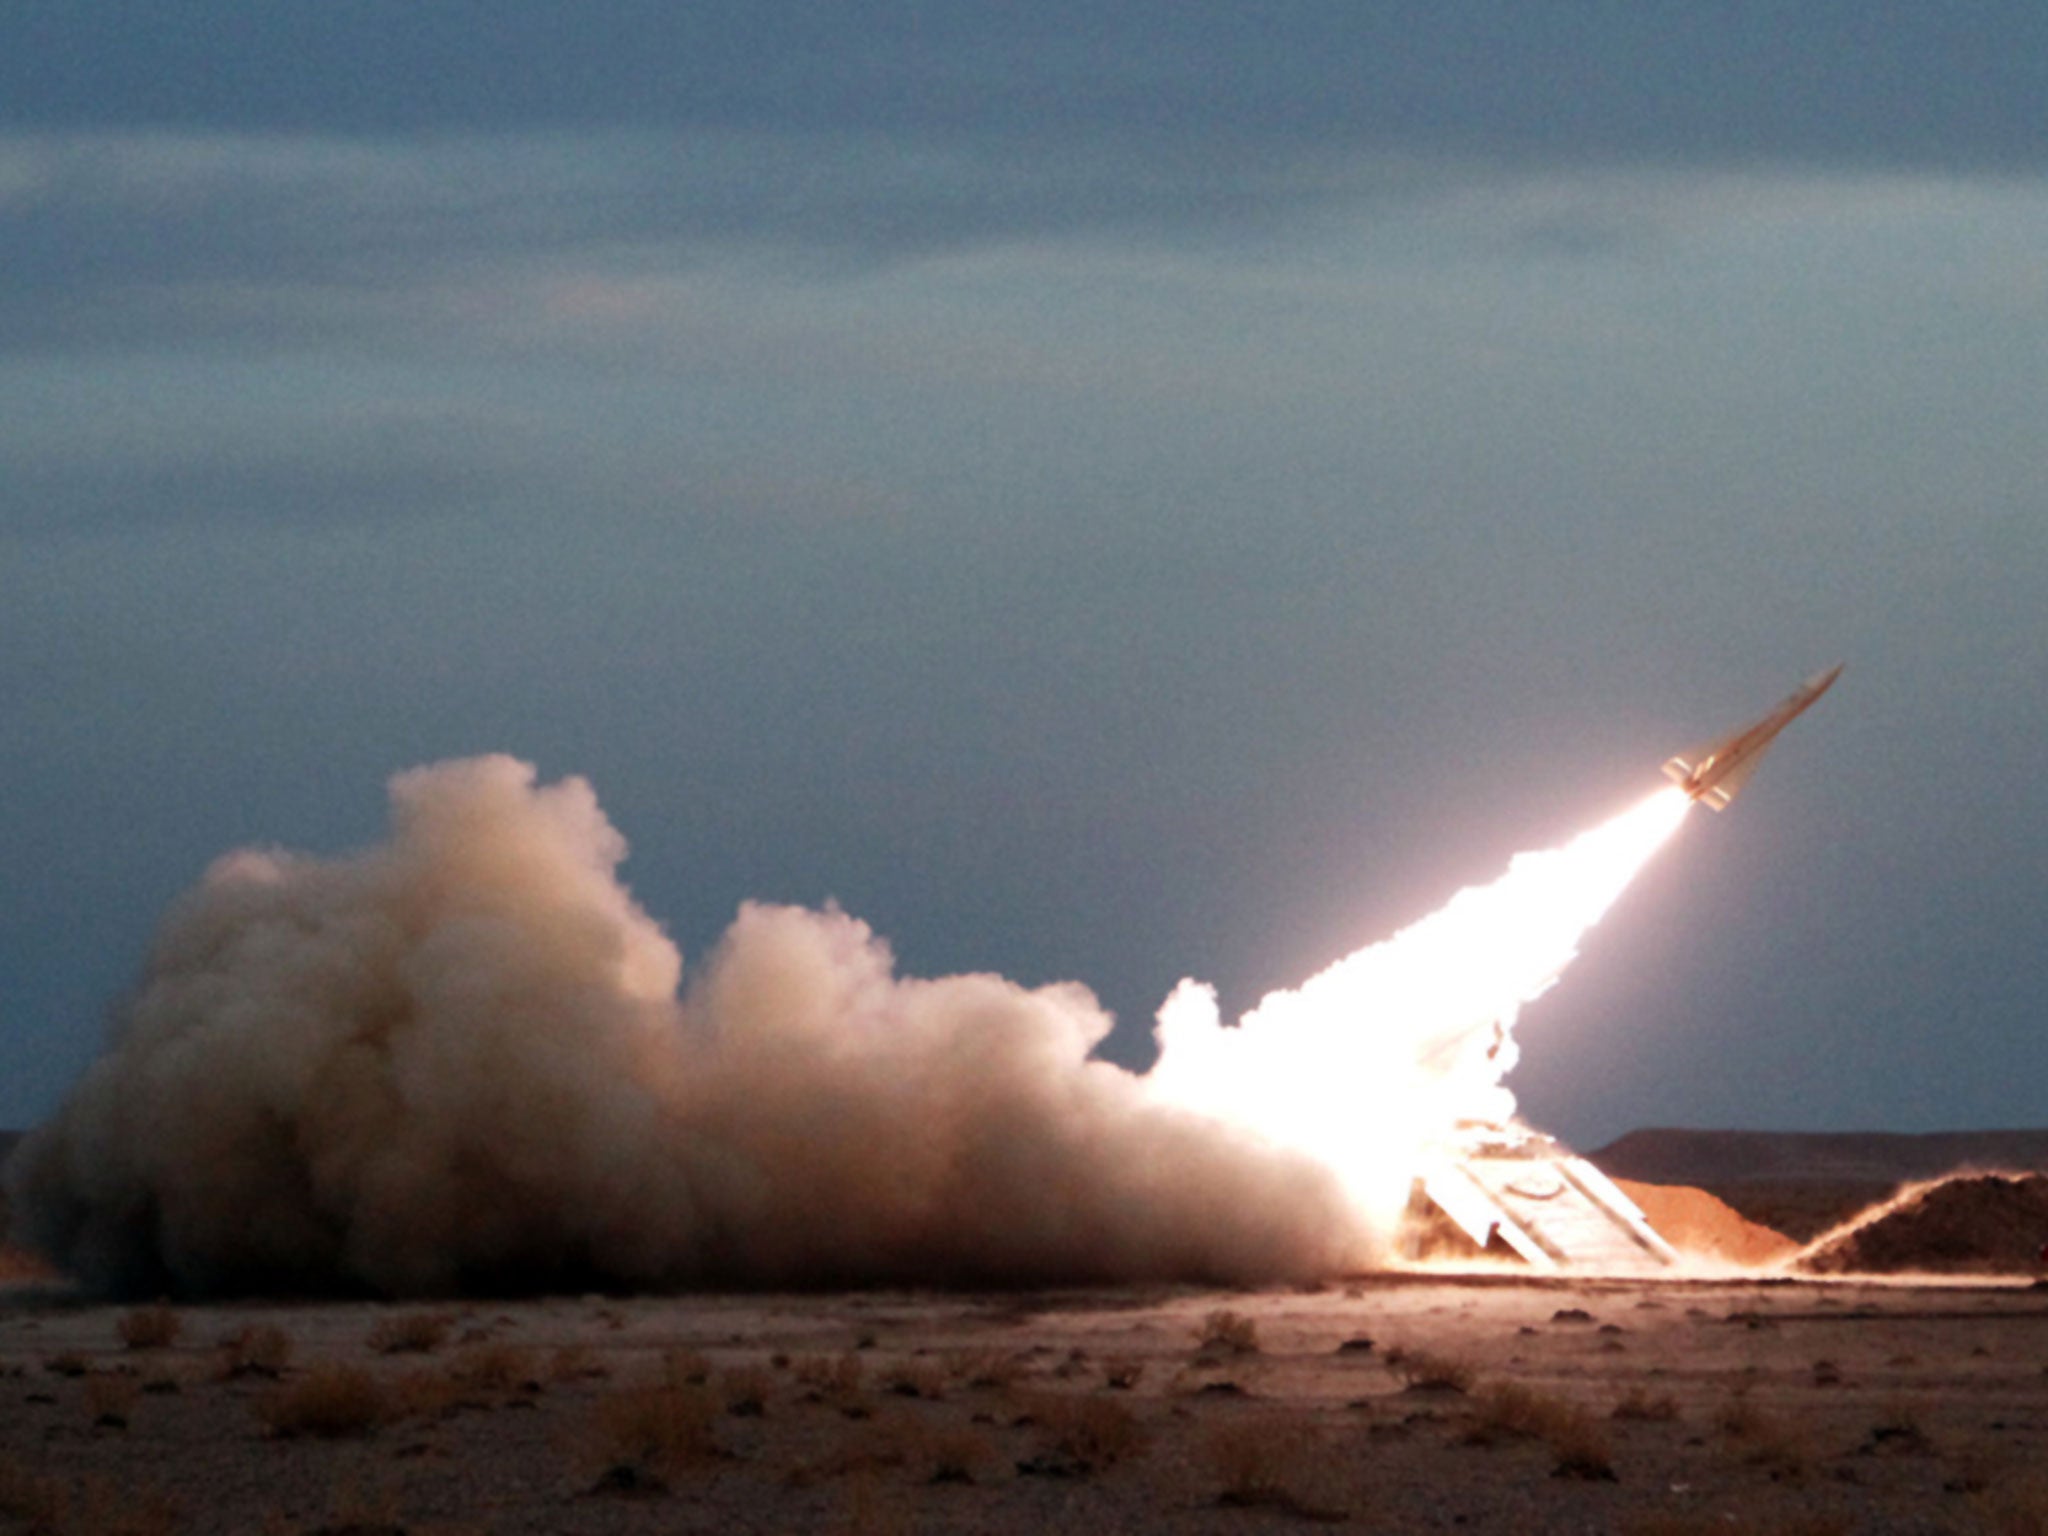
331,1401
256,1351
1228,1331
428,1392
110,1398
1714,1429
417,1333
745,1389
956,1453
1508,1409
1641,1407
1899,1432
48,1506
574,1362
834,1377
882,1443
154,1327
30,1497
916,1378
651,1434
2018,1507
1267,1461
496,1367
987,1369
685,1368
1091,1433
1713,1523
1422,1371
1762,1437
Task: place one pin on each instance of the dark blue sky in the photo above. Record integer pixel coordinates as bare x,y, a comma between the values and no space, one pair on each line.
1103,492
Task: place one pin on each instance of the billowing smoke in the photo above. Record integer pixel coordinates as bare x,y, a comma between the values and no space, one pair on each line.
460,1060
466,1059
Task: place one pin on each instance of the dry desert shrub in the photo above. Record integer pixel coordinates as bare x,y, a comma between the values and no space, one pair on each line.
1090,1433
2015,1508
987,1369
496,1367
255,1351
685,1368
410,1333
1224,1329
1639,1406
1122,1372
1267,1462
650,1433
425,1393
1899,1432
870,1512
331,1401
954,1453
745,1389
154,1327
1762,1437
1704,1523
351,1507
1421,1371
926,1379
109,1398
67,1362
98,1505
1504,1410
931,1450
886,1441
575,1362
30,1497
829,1375
1509,1409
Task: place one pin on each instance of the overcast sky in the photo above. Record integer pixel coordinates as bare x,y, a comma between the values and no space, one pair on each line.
1105,492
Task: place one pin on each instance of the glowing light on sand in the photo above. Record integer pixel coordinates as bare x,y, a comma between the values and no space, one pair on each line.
1372,1064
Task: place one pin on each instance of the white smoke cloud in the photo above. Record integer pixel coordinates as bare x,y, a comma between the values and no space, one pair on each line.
462,1059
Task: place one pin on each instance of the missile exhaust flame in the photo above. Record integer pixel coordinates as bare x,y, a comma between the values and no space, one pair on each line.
1370,1066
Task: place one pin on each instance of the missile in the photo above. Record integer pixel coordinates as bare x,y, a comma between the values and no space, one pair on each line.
1715,773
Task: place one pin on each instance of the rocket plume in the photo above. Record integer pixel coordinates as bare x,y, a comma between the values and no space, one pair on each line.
466,1058
1369,1066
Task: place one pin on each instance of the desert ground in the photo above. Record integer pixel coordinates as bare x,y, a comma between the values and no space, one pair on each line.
1408,1402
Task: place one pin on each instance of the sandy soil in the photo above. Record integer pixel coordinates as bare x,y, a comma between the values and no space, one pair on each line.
1483,1403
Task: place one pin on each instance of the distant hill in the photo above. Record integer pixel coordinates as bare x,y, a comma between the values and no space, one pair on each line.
1714,1157
1801,1183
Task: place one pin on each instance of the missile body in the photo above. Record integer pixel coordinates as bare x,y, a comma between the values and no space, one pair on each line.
1715,773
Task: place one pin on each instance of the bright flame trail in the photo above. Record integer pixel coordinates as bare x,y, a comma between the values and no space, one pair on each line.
1370,1066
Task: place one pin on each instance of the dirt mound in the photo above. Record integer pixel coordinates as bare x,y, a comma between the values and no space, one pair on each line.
1694,1222
1989,1223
